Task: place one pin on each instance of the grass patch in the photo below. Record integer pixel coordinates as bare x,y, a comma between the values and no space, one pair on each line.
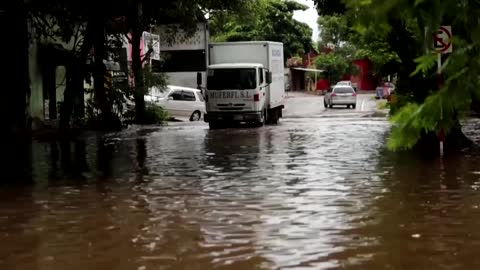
383,105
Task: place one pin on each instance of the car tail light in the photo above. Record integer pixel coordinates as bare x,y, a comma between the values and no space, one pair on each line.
256,97
334,95
354,94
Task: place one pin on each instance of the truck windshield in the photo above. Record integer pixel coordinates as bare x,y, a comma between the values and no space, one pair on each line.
238,79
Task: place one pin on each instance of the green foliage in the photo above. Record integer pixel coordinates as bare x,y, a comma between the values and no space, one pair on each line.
294,61
334,30
355,42
330,7
425,63
383,105
155,114
335,65
266,20
406,22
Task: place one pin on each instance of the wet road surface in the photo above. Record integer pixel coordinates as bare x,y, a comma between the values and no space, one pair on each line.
314,192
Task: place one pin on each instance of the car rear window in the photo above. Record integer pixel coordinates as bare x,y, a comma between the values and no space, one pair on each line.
343,90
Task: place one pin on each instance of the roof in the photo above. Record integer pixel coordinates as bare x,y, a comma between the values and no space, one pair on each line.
237,65
342,86
178,87
310,69
245,42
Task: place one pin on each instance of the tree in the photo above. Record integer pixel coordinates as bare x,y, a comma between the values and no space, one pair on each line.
14,20
73,22
427,110
330,7
337,32
268,20
142,15
334,30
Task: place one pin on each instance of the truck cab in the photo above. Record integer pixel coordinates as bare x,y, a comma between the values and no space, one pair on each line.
237,92
245,83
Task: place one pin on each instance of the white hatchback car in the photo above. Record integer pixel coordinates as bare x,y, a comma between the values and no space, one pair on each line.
340,95
179,101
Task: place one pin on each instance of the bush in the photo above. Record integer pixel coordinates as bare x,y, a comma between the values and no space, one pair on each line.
155,114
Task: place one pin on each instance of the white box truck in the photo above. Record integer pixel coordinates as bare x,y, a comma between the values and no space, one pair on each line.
245,83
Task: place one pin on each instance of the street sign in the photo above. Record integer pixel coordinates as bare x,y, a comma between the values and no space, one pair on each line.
442,40
152,41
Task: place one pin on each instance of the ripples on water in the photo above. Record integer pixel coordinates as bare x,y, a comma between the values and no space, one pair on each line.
308,194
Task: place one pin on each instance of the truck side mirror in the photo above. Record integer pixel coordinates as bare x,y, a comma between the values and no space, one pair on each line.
199,79
269,77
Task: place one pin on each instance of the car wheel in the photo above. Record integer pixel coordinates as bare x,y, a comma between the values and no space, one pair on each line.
331,106
196,116
354,106
325,104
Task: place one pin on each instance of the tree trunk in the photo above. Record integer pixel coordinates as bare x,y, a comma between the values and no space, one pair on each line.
136,11
13,23
138,77
74,91
101,97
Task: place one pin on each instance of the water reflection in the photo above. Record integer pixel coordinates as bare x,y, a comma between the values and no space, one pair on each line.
17,163
307,194
66,162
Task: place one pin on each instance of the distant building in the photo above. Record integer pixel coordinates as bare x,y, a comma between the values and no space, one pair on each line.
182,55
318,79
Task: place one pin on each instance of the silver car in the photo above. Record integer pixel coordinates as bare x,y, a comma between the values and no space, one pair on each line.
340,95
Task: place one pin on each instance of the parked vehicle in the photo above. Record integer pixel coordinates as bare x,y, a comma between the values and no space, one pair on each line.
245,83
390,88
340,95
344,83
179,101
348,83
379,92
384,90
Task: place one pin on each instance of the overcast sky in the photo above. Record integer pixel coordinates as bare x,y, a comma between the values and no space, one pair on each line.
309,16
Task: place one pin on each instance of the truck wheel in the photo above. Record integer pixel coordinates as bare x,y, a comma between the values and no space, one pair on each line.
274,115
214,125
263,120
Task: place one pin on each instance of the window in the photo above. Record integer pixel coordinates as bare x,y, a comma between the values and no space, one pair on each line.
235,79
188,95
176,95
181,61
260,70
343,90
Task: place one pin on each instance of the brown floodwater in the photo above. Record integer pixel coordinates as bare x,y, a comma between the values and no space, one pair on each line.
307,194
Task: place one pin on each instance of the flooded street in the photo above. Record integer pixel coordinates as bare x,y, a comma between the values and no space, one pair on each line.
318,191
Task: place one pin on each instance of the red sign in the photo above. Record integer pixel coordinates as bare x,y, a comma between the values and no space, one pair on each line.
442,40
